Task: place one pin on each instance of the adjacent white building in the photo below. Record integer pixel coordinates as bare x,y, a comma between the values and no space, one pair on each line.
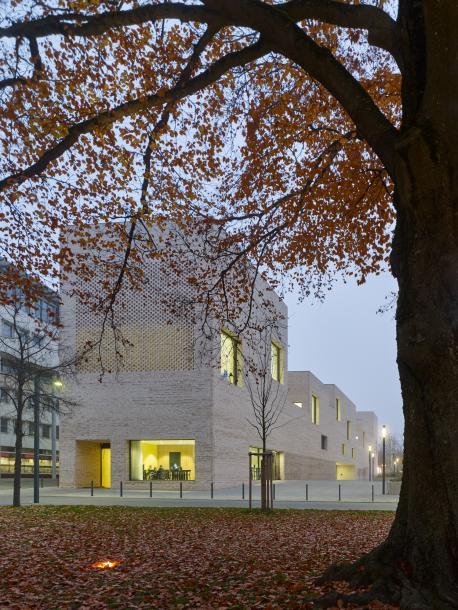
27,323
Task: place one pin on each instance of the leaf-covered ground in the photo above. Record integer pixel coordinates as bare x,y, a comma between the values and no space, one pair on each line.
175,558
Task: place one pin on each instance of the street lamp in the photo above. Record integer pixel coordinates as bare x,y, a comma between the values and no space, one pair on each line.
57,383
373,464
383,458
370,462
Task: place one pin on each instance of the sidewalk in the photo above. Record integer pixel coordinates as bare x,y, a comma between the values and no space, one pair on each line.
323,495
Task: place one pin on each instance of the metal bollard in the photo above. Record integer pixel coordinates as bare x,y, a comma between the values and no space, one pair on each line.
120,489
372,493
306,492
151,489
181,489
273,492
92,488
211,490
243,491
340,493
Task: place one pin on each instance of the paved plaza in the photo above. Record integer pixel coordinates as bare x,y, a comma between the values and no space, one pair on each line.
354,495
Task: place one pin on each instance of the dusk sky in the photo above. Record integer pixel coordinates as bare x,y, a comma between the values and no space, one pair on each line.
345,341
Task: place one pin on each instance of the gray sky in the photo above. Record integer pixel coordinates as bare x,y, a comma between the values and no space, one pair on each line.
345,341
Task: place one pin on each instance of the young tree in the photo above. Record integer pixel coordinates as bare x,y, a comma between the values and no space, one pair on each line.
302,127
30,371
263,379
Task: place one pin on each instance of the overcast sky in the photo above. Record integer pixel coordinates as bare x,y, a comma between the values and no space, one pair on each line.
345,341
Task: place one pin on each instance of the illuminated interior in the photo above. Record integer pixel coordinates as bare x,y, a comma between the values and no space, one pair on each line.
106,466
162,460
277,361
7,461
231,358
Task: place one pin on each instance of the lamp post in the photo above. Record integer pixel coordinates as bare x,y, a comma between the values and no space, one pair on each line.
57,383
36,440
370,462
373,464
383,458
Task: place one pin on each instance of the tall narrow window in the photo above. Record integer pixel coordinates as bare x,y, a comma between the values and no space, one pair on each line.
364,439
7,329
315,410
324,442
348,429
344,449
338,410
231,358
276,358
353,453
4,425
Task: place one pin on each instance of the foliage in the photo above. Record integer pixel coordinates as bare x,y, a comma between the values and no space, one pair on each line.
176,558
205,122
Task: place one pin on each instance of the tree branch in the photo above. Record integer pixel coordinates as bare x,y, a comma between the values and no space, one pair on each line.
79,24
383,31
107,118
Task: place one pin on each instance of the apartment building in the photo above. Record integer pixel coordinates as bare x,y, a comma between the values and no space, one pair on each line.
22,334
180,409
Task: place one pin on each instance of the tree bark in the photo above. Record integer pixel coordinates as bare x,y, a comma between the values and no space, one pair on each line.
418,563
425,262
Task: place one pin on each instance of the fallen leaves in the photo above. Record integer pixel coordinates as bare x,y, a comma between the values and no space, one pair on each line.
176,558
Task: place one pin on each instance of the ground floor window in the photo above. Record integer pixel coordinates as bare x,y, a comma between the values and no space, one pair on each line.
167,460
7,461
255,463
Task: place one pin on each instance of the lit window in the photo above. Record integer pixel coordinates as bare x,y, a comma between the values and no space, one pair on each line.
276,355
324,442
338,410
7,329
315,410
162,460
231,358
299,404
348,430
344,449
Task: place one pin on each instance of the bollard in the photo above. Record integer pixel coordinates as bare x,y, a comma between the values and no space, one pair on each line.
120,489
211,490
151,489
181,489
42,482
372,493
273,492
243,491
340,493
92,488
306,492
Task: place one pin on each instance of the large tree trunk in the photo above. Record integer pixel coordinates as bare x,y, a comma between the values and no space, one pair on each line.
425,261
418,563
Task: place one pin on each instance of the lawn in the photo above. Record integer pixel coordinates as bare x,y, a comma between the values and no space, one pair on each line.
175,558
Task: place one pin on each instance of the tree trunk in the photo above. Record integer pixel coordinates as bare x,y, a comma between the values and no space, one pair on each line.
418,564
425,263
17,460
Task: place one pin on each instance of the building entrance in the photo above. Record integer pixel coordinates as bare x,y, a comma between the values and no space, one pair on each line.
105,465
